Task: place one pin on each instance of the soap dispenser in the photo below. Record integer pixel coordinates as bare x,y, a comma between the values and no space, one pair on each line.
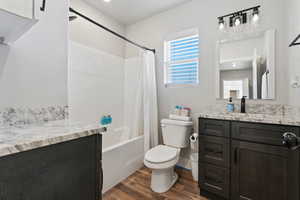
243,104
230,105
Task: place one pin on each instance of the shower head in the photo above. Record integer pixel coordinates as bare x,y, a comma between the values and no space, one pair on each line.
72,18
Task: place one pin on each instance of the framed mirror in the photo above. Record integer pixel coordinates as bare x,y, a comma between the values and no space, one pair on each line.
246,66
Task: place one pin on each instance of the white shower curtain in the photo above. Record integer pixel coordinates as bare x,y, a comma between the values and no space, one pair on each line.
150,101
140,108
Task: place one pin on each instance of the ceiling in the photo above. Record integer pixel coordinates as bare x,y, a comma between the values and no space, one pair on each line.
130,11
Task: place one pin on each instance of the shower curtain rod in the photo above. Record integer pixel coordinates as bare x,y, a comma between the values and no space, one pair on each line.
294,43
109,30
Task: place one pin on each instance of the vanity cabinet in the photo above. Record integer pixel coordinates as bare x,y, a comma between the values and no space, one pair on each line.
68,170
17,17
248,162
23,8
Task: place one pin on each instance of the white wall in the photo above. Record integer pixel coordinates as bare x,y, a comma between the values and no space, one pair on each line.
203,15
96,68
95,85
33,71
293,27
82,31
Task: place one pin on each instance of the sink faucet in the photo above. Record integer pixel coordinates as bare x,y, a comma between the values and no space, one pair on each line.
243,104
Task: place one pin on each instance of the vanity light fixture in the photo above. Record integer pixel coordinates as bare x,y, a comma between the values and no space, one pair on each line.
240,17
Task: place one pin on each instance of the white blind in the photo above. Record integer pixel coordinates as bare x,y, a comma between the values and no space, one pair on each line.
182,60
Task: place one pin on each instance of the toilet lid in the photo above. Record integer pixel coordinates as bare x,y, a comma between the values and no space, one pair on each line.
161,153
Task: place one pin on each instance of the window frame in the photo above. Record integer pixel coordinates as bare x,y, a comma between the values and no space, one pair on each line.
167,40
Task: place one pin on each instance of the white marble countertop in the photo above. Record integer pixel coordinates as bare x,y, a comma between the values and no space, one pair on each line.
248,117
18,139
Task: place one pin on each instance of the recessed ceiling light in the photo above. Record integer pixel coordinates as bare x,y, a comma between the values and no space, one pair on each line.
107,1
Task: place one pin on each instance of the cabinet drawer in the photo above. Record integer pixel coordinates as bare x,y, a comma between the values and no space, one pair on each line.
214,127
214,179
261,133
214,150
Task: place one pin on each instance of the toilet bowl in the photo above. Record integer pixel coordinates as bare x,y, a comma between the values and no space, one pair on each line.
163,158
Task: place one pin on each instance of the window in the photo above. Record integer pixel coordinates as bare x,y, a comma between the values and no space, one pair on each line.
182,60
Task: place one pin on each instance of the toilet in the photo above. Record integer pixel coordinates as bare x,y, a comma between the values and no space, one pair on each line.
163,158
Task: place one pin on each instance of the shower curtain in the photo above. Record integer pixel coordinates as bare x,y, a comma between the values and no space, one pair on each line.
141,109
150,101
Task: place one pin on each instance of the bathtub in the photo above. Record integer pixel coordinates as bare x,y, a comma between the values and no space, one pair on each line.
120,159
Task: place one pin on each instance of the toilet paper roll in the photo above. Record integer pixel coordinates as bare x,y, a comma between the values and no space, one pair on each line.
194,141
194,137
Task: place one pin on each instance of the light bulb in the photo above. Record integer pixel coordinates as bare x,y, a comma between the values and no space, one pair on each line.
107,1
237,21
221,24
255,15
255,18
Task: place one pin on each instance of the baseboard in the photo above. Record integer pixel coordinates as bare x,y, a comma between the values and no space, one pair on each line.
177,166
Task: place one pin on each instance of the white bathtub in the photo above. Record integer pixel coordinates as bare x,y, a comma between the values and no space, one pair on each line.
120,158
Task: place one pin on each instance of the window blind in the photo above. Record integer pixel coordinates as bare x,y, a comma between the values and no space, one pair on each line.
182,60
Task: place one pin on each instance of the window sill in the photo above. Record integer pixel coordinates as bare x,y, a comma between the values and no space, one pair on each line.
182,85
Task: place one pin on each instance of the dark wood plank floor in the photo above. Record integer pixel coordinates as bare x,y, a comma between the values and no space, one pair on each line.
137,187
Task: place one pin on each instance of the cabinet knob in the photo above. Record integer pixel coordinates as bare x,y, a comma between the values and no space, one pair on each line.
291,141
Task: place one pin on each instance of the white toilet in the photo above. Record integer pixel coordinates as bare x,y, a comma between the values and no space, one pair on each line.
163,158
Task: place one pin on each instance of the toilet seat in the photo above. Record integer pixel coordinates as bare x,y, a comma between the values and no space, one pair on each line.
162,160
161,154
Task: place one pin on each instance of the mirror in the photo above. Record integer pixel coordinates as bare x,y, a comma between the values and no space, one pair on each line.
246,67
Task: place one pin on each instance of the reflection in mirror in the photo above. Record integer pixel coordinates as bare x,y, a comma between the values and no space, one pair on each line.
246,67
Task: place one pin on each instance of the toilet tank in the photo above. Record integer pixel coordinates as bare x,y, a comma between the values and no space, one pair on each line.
176,133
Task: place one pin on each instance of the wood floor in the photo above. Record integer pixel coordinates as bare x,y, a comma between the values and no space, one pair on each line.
137,187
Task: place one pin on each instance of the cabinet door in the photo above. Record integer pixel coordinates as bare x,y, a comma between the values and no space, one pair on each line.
65,171
264,172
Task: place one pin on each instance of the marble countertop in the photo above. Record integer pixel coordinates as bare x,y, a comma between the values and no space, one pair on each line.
248,117
24,138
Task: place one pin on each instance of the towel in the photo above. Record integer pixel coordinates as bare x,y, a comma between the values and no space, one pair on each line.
265,86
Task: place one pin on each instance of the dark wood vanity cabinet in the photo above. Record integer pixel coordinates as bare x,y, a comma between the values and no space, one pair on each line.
65,171
249,163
